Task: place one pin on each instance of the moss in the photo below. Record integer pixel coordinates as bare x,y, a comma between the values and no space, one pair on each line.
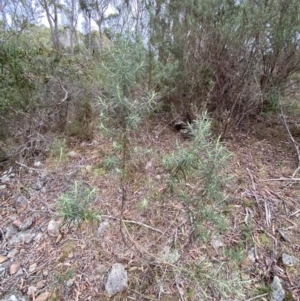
265,240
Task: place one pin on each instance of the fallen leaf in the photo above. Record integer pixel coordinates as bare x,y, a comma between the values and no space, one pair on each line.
41,284
14,268
43,297
32,267
3,258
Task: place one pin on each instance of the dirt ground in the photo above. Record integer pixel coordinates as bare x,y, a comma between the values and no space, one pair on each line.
262,207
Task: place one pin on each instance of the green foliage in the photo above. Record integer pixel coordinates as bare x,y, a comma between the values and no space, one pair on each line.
201,164
75,204
126,103
248,48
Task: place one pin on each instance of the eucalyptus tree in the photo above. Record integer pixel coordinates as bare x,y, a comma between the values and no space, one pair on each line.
71,11
52,8
18,14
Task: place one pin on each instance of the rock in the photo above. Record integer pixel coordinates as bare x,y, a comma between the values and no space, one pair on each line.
5,179
289,260
21,237
216,243
72,154
277,292
284,236
27,223
2,271
38,185
14,268
17,223
12,253
117,279
11,231
1,188
21,202
43,297
148,166
251,255
53,228
102,228
14,298
3,258
31,290
37,163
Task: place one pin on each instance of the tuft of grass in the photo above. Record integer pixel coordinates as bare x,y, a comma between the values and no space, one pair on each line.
75,204
210,279
58,150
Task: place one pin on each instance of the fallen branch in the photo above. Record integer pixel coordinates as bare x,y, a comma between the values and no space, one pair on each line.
134,222
281,179
257,297
296,144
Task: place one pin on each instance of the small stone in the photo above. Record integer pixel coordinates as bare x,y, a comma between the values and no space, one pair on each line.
21,237
2,270
117,279
5,179
53,228
70,283
31,290
148,165
38,185
284,236
2,187
278,292
216,243
102,228
11,231
12,253
21,202
37,163
3,258
17,223
14,268
251,255
27,223
289,260
45,273
43,297
72,154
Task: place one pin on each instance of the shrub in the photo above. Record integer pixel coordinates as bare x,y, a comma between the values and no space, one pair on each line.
202,164
75,204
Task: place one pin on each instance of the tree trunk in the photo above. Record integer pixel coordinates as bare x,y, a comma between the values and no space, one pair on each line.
72,27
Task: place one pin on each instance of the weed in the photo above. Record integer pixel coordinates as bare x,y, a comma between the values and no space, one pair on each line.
59,150
62,277
74,205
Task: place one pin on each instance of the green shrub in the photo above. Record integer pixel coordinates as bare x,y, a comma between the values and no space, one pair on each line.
75,204
202,165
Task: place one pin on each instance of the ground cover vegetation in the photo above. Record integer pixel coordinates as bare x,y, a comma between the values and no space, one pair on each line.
160,135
